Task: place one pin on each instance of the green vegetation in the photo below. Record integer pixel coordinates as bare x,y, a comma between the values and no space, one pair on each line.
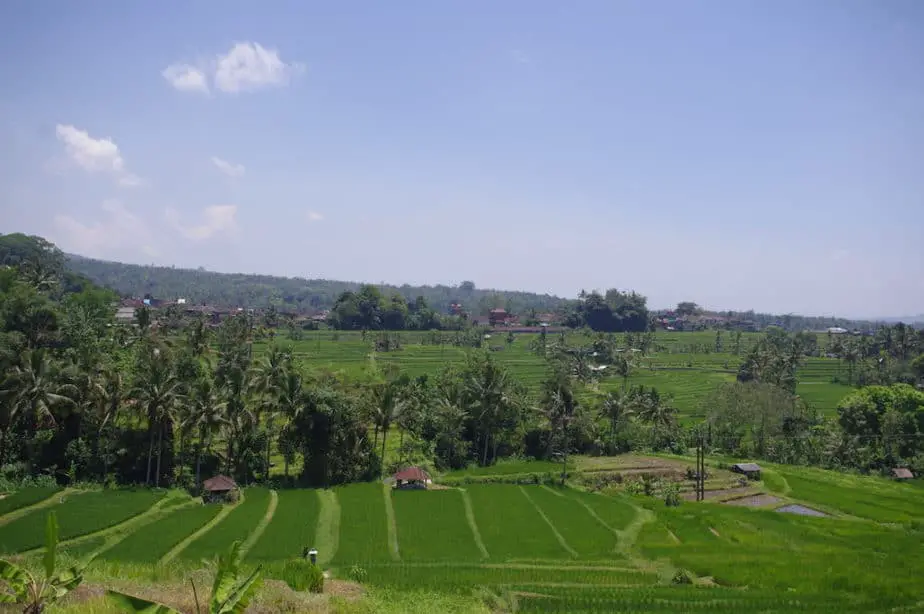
80,514
363,527
432,526
236,526
292,528
154,541
26,497
580,530
510,525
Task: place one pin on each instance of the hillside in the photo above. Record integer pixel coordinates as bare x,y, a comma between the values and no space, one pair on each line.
288,293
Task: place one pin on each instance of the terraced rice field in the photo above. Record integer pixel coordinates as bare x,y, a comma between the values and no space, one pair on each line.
237,525
25,498
684,365
293,527
78,514
153,541
557,549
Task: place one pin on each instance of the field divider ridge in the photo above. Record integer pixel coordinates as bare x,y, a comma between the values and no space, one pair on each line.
176,550
551,490
54,499
261,527
391,523
473,525
548,521
620,535
327,530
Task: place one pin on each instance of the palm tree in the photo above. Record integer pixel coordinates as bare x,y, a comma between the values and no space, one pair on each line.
205,415
387,405
271,380
157,391
616,407
32,389
107,399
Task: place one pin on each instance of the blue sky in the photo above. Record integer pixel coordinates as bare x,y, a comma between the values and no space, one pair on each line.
765,155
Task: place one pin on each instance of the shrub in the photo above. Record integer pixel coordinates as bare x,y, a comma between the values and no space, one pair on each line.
358,574
682,577
302,575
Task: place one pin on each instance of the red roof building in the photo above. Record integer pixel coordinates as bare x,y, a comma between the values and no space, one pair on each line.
412,477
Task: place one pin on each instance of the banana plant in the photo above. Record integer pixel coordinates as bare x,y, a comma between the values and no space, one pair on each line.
230,594
36,593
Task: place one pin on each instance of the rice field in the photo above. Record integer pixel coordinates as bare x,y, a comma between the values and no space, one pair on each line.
292,528
510,524
152,542
237,525
684,365
25,497
363,524
78,514
555,549
432,526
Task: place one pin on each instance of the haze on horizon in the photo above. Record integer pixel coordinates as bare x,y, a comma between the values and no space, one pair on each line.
762,156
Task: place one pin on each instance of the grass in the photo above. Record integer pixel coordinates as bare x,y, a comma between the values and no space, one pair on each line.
432,526
153,541
237,525
26,497
615,512
78,514
292,528
363,526
510,525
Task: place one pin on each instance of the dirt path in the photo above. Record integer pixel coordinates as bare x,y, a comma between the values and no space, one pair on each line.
172,554
470,516
327,534
264,522
392,524
558,536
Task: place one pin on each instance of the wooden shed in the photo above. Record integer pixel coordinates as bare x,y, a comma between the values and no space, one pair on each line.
220,488
901,473
412,477
749,470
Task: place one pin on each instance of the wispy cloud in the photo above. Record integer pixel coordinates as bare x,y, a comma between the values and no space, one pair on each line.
228,168
119,232
96,155
314,216
246,67
186,78
215,220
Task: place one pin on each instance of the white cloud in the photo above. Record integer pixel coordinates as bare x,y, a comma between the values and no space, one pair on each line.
217,219
314,216
186,78
95,155
229,169
250,66
119,233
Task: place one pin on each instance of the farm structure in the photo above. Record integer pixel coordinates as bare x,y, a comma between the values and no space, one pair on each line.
220,488
411,478
750,470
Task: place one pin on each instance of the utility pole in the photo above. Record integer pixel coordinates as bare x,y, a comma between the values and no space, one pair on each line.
701,469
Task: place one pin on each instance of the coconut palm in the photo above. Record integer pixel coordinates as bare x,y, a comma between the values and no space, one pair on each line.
157,392
204,416
33,389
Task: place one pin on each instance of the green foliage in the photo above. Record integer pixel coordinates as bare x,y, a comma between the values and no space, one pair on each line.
80,514
581,530
236,526
153,541
22,587
232,591
292,528
432,526
299,574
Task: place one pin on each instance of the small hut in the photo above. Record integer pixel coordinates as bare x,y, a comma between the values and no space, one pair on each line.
219,489
412,477
750,470
901,474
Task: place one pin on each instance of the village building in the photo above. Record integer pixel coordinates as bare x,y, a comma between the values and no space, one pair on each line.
750,470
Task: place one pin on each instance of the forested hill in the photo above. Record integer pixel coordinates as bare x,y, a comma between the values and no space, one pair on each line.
199,286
